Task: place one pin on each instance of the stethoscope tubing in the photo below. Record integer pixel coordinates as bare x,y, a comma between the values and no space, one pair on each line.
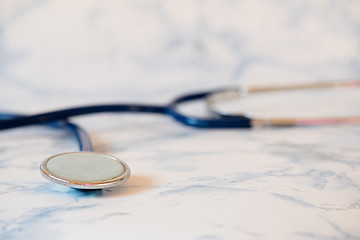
170,109
77,111
215,122
82,138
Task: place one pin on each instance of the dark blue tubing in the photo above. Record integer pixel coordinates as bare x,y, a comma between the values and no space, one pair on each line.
171,109
216,122
81,136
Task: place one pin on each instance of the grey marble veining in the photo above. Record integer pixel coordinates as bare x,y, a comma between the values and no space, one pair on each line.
186,183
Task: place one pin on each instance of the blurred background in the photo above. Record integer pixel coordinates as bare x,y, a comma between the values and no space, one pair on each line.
61,53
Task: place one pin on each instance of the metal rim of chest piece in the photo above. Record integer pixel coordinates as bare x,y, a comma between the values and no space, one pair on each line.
85,170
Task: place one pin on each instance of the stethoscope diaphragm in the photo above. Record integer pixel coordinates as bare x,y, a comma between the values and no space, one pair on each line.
85,170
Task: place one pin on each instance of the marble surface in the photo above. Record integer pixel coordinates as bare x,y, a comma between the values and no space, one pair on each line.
186,183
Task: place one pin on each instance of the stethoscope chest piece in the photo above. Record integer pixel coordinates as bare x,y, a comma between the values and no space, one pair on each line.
85,170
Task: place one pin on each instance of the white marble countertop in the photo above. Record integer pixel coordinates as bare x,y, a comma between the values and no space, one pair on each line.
186,183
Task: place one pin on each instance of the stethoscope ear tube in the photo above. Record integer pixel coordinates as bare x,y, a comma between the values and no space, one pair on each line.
227,94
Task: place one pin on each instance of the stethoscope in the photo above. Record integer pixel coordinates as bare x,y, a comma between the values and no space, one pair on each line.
91,170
